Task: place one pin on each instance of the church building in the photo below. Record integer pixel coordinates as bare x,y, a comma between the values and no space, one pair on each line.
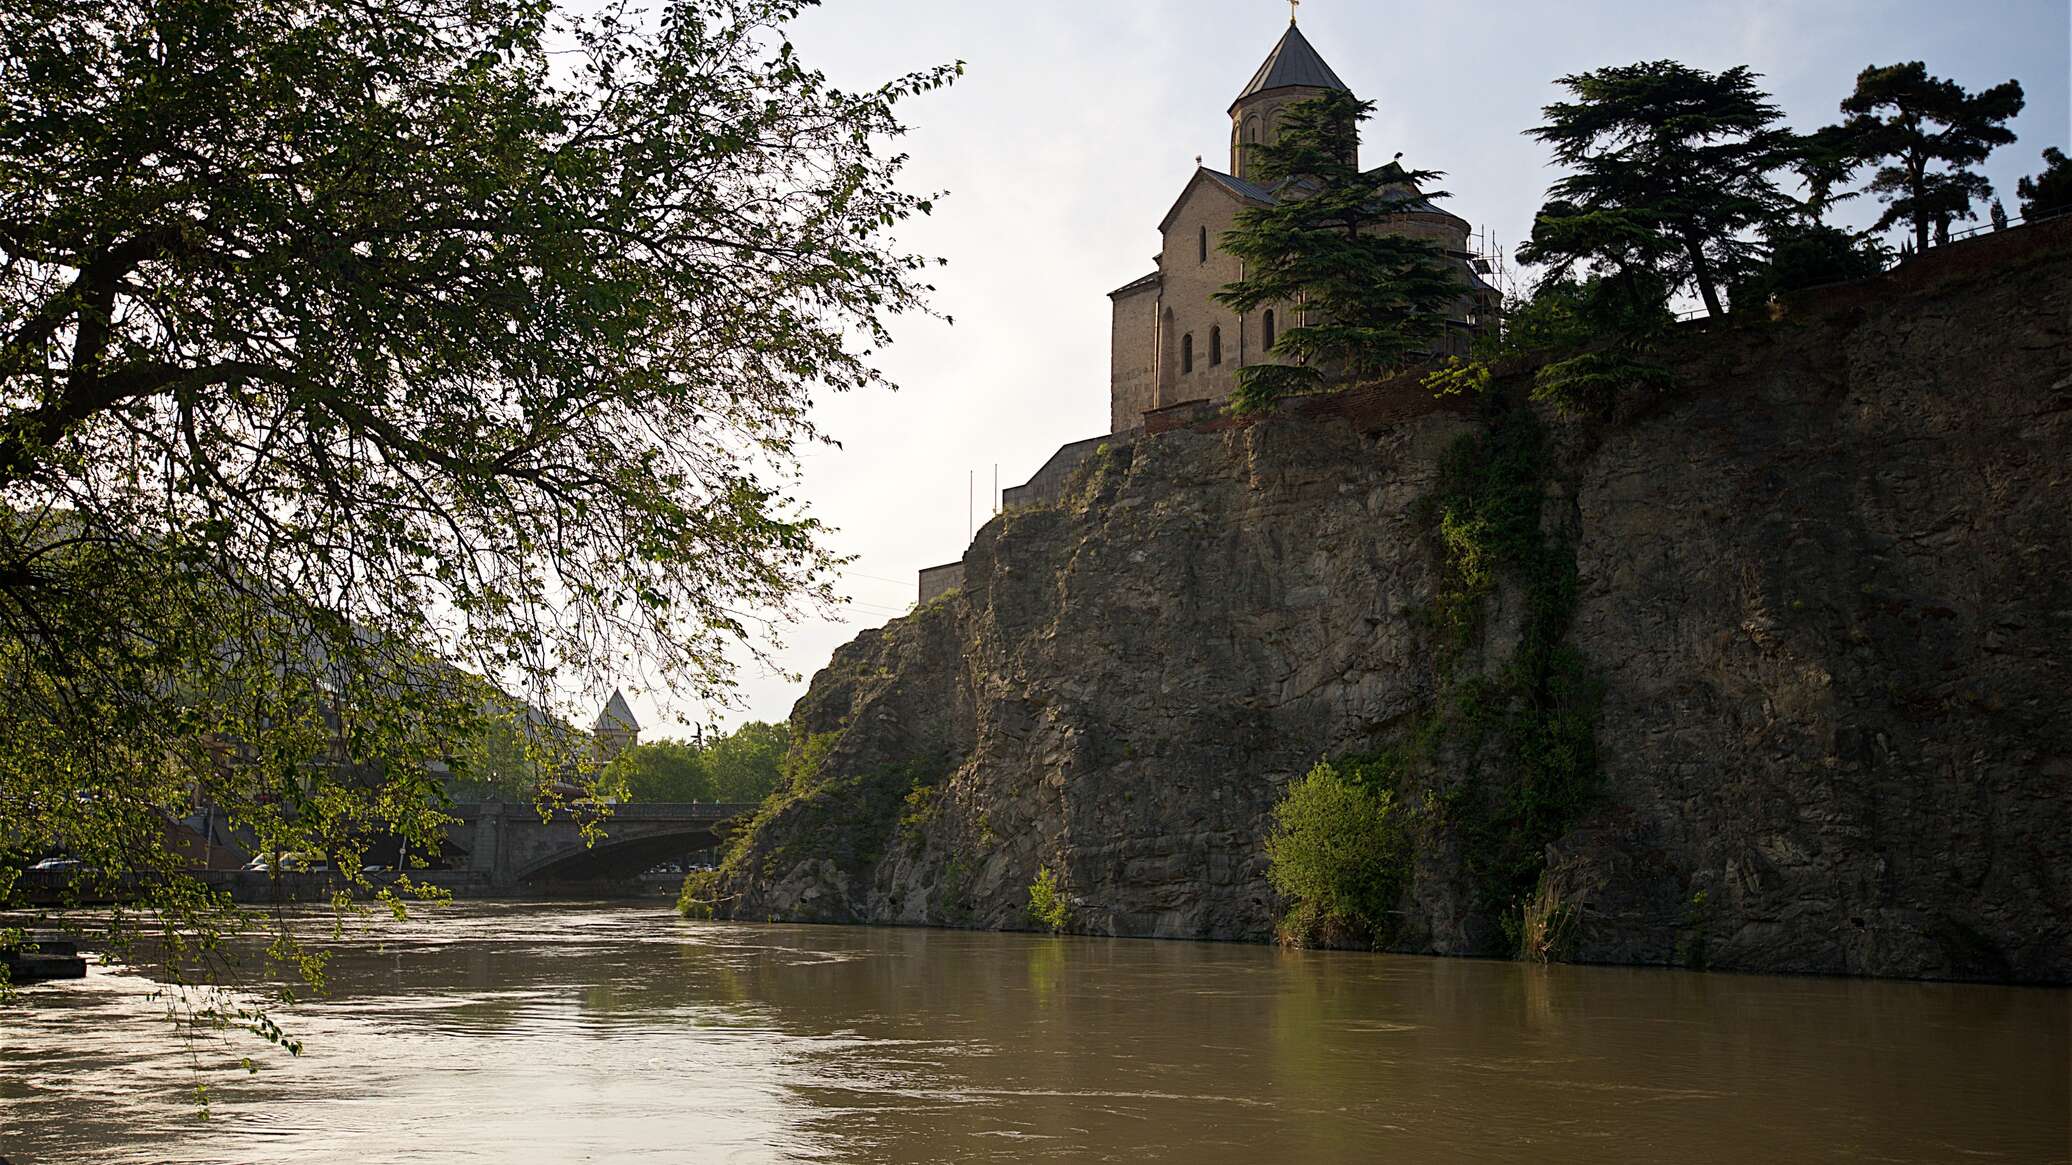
1172,343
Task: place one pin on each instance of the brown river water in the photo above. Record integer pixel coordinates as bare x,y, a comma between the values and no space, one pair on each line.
487,1032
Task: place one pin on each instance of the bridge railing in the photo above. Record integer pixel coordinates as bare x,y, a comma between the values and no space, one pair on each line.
635,811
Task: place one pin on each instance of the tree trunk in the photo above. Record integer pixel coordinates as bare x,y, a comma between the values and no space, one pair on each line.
1917,182
1701,273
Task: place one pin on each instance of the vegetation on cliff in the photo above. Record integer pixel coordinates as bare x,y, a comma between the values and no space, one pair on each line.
1049,909
1341,854
1504,760
834,807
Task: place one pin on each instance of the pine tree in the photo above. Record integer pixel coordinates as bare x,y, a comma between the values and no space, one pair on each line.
1930,131
1825,160
1368,300
2049,192
1672,171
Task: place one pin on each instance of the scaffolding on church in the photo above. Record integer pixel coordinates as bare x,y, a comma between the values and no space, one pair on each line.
1486,256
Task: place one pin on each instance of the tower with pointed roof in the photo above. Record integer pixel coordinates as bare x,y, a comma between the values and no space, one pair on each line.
1293,72
1171,342
616,729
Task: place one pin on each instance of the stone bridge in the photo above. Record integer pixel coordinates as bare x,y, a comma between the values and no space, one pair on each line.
512,846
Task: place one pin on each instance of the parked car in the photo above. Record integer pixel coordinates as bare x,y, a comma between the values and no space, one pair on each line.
57,866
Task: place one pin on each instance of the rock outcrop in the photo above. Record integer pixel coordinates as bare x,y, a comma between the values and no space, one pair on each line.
1824,585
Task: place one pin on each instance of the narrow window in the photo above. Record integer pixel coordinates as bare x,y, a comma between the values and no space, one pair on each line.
1215,347
1269,329
1187,353
1205,244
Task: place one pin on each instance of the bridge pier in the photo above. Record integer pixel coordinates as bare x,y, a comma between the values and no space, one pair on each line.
487,854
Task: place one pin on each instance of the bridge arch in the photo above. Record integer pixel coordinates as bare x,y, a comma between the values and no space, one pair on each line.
614,859
512,844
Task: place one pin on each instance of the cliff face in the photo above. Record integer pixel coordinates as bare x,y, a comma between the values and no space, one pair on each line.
1822,587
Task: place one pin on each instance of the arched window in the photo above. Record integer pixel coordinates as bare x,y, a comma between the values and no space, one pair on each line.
1215,347
1205,244
1187,353
1269,336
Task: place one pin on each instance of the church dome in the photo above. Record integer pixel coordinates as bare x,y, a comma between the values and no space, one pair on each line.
1292,73
1293,64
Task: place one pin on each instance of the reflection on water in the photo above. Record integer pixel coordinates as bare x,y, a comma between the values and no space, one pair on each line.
486,1032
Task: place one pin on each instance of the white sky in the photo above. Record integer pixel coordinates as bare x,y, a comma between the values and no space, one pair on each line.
1077,123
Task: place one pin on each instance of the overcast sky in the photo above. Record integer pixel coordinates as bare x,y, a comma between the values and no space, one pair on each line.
1077,123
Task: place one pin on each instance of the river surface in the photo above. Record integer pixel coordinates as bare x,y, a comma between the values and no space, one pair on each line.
487,1032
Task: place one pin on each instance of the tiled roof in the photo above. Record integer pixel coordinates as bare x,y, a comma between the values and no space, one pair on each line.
1135,284
1240,187
1294,61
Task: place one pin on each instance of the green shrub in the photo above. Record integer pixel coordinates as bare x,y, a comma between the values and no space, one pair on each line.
1341,852
699,890
920,808
1806,255
1458,377
1047,906
1594,383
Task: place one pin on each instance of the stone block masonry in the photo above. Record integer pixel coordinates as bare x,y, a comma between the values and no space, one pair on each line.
937,581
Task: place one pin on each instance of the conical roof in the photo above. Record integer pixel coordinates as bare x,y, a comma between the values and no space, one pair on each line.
617,715
1293,62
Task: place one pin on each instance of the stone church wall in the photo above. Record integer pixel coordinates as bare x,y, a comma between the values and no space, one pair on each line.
1189,283
1132,343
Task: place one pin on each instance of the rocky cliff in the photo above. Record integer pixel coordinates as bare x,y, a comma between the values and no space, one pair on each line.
1796,632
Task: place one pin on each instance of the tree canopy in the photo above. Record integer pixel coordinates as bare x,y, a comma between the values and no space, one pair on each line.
345,344
1671,171
2051,191
741,767
1826,160
1930,131
1366,300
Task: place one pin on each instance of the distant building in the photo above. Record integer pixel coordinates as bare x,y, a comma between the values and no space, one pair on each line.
616,729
